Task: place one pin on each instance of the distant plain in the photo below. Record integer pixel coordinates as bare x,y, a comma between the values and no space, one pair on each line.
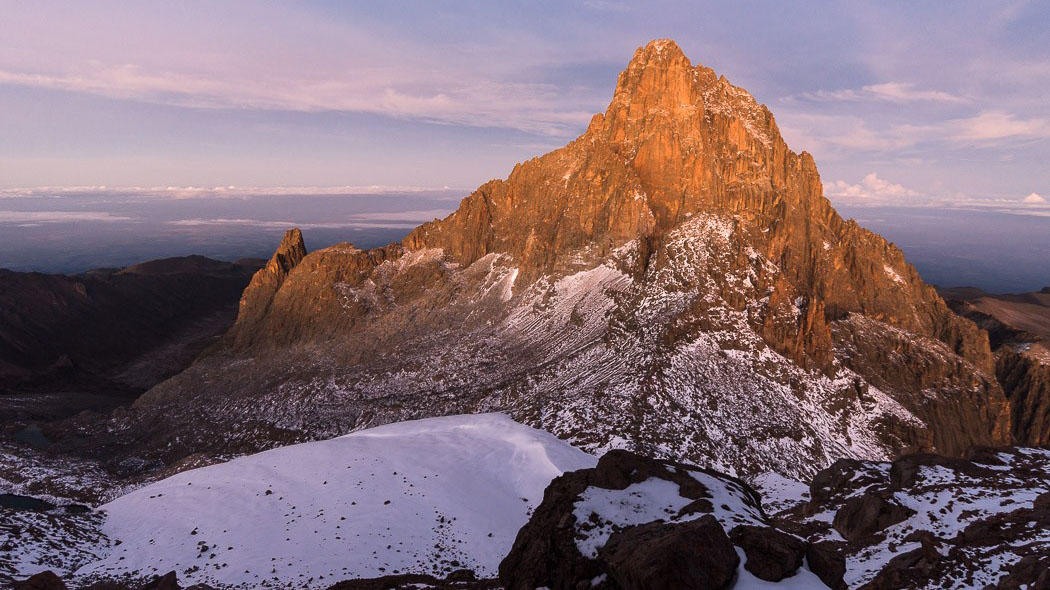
74,231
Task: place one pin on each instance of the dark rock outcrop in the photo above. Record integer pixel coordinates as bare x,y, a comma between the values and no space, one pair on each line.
864,515
694,554
1031,573
928,521
43,581
1018,327
169,581
689,521
50,581
913,569
458,580
771,555
841,478
827,561
1026,381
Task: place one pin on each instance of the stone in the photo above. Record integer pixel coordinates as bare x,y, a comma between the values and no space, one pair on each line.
907,570
827,562
771,555
545,552
46,580
867,514
1032,572
694,555
168,581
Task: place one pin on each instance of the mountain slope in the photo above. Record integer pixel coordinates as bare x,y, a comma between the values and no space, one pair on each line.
69,343
672,281
429,496
1019,330
98,322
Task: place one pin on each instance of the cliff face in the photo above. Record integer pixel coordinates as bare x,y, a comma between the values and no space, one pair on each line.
1026,381
673,280
267,282
1019,329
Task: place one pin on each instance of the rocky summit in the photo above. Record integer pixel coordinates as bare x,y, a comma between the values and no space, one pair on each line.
673,282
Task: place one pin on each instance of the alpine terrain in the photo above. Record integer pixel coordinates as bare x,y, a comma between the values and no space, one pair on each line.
453,502
671,282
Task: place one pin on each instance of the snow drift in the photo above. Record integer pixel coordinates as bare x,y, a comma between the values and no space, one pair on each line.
426,496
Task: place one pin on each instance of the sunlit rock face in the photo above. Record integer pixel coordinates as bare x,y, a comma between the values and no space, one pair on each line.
673,281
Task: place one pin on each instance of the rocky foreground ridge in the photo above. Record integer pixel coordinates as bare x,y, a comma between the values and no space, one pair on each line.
672,281
922,522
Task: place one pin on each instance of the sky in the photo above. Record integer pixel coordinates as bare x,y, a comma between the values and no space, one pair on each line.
934,105
898,101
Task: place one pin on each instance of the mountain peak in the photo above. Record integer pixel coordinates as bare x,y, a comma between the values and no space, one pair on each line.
659,70
662,92
256,300
675,263
291,250
659,49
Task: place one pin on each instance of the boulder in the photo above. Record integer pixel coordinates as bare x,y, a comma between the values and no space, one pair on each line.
907,570
825,560
772,555
1031,573
867,514
834,479
168,581
693,555
545,552
46,580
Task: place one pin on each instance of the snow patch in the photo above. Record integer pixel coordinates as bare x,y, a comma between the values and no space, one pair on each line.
893,274
780,493
599,512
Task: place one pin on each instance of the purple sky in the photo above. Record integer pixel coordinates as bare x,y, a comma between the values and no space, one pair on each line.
929,103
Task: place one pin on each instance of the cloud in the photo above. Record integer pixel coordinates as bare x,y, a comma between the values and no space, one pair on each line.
835,136
373,219
991,126
349,224
830,136
415,216
531,107
871,188
166,55
899,92
877,192
607,5
29,218
230,191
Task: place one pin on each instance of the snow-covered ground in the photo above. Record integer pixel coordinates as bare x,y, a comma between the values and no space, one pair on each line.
981,515
426,496
779,492
440,494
